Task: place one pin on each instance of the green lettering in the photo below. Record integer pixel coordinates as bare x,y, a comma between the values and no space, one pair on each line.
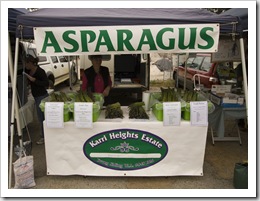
49,36
84,39
206,37
104,39
147,39
159,39
124,41
66,38
191,44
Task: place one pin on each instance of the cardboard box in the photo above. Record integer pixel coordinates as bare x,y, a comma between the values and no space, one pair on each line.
227,99
218,93
221,89
215,99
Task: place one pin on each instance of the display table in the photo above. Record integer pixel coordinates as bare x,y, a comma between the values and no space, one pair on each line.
26,112
217,122
126,147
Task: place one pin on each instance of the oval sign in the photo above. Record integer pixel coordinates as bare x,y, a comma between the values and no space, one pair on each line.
125,149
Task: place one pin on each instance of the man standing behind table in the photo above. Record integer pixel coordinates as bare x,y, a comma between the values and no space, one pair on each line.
97,78
38,82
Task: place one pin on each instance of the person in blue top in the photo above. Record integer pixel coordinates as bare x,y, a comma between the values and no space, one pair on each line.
39,83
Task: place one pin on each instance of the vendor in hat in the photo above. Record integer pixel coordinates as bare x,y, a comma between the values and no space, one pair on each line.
97,78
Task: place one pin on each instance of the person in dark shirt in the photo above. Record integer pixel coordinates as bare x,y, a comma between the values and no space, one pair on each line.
239,72
242,123
96,79
39,82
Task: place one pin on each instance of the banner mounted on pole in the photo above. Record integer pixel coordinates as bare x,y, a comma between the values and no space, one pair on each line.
121,39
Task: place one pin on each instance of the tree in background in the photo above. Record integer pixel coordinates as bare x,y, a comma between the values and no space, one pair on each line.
32,9
217,10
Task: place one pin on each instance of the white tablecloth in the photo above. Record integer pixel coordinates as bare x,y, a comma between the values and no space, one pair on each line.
185,148
27,112
220,115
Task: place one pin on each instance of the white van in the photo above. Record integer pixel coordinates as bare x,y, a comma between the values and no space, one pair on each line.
57,68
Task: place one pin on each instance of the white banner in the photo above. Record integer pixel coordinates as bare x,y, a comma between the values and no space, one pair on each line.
131,39
129,147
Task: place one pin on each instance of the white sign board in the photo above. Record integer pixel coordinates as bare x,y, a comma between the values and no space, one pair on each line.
54,114
171,113
132,39
83,114
199,113
185,157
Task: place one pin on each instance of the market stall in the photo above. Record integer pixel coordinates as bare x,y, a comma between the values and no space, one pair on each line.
125,31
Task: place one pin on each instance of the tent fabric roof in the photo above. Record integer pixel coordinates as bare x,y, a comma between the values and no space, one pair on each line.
61,17
241,13
12,14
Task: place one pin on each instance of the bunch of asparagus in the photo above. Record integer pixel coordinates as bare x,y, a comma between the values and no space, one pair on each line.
114,111
136,111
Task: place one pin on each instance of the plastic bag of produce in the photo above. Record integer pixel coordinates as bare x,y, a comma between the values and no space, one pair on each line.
24,172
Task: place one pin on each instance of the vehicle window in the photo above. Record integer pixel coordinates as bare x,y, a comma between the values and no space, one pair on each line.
189,61
206,65
42,58
196,62
62,59
54,59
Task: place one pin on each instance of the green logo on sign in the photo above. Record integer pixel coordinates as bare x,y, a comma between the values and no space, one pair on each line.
125,149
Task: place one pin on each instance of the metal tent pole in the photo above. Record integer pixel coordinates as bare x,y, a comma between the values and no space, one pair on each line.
15,108
171,72
242,51
185,72
70,73
177,72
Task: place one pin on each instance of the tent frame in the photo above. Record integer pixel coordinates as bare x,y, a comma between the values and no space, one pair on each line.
15,107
